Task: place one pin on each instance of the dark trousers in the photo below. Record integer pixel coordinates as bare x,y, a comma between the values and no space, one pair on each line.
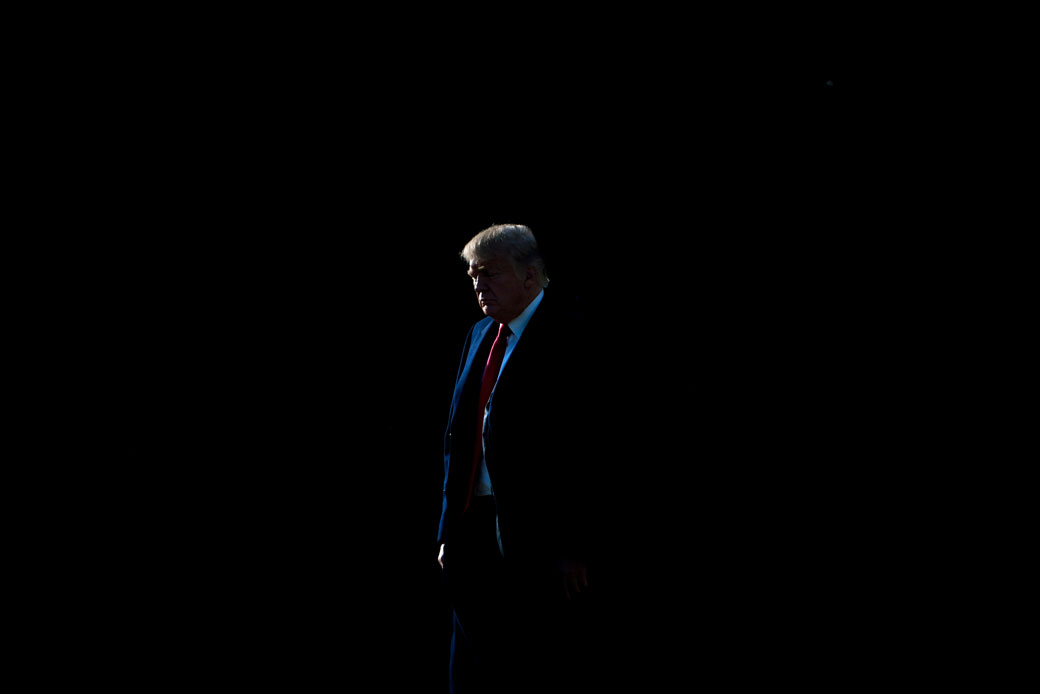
477,586
512,630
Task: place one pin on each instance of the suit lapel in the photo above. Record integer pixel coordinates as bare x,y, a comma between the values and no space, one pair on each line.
469,380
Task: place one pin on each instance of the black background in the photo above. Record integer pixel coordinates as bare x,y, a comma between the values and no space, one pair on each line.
275,309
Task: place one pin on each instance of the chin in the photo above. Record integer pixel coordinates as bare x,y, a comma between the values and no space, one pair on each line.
495,316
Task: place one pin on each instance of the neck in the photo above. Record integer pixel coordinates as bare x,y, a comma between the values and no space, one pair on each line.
531,296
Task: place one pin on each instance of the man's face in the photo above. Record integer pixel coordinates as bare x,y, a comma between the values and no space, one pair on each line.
500,293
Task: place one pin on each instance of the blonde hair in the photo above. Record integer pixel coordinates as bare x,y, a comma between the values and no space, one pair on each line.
514,241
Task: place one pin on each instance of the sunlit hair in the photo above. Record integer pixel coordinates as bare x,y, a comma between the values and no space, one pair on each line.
513,241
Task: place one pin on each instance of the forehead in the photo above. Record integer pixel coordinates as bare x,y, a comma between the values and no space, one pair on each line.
493,263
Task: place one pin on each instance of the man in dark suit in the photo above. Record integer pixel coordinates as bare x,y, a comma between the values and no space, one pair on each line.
515,521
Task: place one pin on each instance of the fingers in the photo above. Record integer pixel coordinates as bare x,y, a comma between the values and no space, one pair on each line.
575,580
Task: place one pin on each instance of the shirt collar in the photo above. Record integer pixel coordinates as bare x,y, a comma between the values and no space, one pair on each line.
518,324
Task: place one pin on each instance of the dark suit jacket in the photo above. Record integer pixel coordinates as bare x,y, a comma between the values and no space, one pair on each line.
538,436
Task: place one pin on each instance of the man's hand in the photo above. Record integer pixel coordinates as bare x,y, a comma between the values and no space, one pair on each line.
440,557
573,573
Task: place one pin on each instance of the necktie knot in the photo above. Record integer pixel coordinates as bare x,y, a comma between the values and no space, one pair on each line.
494,362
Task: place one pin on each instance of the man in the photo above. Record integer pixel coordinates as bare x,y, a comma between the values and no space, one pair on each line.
513,533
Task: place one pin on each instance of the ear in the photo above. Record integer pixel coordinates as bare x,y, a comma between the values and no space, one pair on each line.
530,276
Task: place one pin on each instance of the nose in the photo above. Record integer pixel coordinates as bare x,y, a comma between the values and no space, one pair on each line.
479,284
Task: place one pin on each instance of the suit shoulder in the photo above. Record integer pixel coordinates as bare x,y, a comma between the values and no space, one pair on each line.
561,314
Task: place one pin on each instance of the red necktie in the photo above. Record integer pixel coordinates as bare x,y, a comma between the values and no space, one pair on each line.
487,384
